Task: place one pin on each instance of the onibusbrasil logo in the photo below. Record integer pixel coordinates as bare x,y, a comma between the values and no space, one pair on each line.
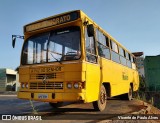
14,117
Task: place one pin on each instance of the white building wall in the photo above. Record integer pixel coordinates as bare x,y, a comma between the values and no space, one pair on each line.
11,72
17,82
7,79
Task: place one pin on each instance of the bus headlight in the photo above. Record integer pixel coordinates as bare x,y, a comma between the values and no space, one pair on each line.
27,85
69,85
24,85
76,85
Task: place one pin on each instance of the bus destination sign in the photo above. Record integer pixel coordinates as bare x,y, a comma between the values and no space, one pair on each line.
46,69
52,21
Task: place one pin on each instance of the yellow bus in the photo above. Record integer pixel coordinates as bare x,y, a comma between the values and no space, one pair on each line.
68,57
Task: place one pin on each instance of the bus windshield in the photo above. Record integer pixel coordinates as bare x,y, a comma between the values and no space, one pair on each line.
58,45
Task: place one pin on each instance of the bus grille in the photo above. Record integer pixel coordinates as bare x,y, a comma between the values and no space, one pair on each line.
48,85
48,76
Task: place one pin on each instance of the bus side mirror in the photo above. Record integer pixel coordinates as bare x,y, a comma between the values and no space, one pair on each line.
13,41
90,30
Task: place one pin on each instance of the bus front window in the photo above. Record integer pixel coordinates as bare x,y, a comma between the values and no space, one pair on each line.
57,45
64,44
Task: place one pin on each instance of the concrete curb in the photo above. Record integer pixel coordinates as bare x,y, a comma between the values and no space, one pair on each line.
8,92
8,95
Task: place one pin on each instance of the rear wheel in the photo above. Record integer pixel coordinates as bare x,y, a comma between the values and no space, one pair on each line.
56,105
130,93
100,104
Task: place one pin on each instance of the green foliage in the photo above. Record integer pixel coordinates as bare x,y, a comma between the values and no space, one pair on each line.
142,84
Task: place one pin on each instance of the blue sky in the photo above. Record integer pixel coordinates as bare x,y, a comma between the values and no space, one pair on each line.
134,23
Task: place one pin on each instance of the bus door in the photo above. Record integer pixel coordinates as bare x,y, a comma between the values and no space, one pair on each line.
92,69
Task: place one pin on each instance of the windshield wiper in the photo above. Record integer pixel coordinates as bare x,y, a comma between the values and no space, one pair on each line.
55,58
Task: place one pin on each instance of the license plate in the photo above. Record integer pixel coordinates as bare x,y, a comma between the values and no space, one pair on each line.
42,96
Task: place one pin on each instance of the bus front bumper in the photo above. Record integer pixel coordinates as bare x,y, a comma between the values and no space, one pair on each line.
51,97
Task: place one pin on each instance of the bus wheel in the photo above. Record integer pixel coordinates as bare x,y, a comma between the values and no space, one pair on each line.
130,93
56,105
127,96
100,104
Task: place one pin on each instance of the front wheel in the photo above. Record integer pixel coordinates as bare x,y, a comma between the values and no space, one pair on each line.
101,103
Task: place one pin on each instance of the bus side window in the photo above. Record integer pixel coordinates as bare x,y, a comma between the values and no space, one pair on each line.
114,46
127,57
103,49
90,48
122,56
128,60
114,52
101,37
107,41
132,59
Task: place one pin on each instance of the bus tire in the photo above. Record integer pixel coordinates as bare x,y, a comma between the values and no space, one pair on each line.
130,93
127,96
56,105
101,103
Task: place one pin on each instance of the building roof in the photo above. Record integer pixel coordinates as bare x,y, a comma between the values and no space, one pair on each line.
8,71
137,54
